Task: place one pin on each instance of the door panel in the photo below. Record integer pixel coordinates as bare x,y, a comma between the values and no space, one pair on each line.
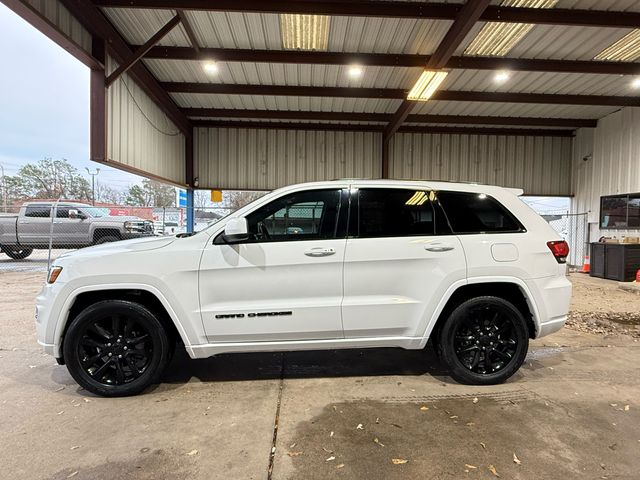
34,228
272,291
285,282
399,263
392,286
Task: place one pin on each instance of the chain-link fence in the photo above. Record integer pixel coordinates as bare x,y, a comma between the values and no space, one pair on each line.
574,228
37,232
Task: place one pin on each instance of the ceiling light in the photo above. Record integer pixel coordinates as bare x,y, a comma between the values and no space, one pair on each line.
210,67
355,71
502,77
626,49
304,32
427,84
636,83
496,39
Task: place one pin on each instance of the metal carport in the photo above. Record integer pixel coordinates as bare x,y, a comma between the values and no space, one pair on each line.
270,115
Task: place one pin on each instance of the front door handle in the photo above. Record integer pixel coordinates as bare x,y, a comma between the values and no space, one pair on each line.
319,252
439,247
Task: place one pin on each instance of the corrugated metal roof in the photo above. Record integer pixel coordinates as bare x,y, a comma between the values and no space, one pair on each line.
261,102
283,74
381,35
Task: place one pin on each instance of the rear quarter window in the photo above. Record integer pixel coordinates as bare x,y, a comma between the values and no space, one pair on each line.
477,213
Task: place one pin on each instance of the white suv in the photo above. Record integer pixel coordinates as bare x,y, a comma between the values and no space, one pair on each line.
340,264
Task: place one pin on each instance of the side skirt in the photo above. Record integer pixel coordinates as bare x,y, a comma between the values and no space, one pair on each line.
209,350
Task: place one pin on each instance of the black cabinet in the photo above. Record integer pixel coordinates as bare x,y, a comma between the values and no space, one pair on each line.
615,261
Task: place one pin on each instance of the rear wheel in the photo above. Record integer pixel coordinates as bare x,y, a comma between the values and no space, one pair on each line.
484,341
116,348
17,253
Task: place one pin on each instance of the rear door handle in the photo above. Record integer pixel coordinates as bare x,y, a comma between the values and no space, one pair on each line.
319,252
438,247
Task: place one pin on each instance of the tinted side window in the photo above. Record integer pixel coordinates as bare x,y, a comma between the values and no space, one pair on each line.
62,212
36,211
393,212
477,213
306,215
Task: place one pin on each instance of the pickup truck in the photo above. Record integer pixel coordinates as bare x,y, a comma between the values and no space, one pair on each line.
75,225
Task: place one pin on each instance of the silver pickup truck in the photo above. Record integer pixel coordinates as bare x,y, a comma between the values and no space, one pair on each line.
75,225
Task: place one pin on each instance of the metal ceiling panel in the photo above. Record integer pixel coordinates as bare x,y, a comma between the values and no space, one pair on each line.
261,102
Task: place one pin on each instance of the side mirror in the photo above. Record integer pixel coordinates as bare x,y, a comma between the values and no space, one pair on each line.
74,213
236,230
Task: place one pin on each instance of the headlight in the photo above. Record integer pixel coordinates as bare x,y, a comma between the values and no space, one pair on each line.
54,273
134,226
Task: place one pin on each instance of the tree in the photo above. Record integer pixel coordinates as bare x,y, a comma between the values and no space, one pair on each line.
48,178
235,199
151,194
107,194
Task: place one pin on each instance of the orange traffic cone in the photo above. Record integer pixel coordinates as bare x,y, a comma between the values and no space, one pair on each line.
586,266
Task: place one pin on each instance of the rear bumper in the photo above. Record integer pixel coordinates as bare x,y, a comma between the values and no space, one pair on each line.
552,296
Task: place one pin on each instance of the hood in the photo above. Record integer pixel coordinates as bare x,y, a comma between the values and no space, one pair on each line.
134,245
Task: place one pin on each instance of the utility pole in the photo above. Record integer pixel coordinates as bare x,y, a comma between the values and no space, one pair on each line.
4,191
93,183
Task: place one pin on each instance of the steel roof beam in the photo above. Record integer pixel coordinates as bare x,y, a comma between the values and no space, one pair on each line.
380,128
141,50
97,24
466,19
394,9
399,93
219,113
390,60
189,30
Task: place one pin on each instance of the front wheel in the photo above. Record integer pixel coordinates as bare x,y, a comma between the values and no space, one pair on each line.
17,253
484,341
116,348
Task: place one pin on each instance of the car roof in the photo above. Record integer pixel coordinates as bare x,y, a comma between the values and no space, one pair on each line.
427,184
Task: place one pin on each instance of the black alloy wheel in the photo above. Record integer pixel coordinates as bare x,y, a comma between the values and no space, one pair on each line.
484,341
116,348
17,253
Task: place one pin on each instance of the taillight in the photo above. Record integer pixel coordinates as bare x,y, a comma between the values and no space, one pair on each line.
560,250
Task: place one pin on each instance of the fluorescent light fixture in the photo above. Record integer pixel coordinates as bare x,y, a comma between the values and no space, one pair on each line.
416,198
427,84
496,39
635,83
210,67
355,71
626,49
304,32
502,77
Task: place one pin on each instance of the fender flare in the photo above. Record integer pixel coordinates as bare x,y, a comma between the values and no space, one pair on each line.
71,298
475,281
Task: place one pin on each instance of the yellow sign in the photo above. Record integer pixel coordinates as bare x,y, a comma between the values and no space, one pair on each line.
216,196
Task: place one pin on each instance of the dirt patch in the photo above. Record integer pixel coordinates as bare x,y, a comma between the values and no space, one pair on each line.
599,306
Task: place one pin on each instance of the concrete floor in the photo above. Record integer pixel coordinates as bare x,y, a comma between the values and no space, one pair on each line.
344,414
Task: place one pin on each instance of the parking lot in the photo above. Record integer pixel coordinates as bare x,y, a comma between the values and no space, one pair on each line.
571,412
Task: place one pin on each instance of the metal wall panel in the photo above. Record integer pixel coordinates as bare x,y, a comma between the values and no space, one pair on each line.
265,159
258,159
140,135
538,165
57,14
612,165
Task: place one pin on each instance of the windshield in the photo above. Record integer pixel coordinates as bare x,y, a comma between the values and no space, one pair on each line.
96,212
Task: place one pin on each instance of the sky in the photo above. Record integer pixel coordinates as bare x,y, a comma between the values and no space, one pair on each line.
44,107
44,103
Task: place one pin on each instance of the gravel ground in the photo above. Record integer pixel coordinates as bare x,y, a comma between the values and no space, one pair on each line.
601,307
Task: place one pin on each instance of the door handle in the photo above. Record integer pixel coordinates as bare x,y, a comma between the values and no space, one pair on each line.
439,247
319,252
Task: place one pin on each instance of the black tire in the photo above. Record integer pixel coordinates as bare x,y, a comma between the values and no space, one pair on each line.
17,253
484,341
105,239
120,341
